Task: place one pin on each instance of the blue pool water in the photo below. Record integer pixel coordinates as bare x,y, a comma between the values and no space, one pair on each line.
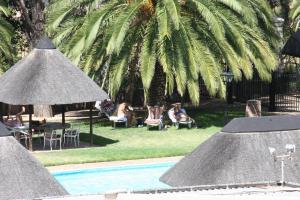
100,180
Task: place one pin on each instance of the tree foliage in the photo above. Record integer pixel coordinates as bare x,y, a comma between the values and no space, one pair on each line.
6,32
295,14
190,39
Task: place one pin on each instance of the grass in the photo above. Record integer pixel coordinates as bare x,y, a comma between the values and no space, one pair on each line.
139,143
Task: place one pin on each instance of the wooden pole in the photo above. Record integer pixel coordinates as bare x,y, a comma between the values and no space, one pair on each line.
30,107
63,110
1,112
91,123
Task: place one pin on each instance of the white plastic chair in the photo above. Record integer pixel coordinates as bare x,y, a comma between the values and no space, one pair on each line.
22,134
52,136
73,135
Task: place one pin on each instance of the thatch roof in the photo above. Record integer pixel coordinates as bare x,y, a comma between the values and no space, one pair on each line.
292,46
239,158
46,77
3,130
22,176
263,124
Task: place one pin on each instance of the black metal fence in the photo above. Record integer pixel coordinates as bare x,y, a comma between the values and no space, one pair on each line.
285,89
251,89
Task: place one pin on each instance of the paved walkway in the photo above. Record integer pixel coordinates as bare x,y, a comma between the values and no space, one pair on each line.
72,167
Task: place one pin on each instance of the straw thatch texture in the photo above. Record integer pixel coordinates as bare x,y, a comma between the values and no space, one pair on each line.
292,46
263,124
3,131
46,77
22,176
237,159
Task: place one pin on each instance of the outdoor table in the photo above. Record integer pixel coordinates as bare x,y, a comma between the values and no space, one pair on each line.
22,128
55,126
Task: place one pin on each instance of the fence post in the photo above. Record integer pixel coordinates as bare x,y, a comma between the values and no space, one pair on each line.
272,93
229,93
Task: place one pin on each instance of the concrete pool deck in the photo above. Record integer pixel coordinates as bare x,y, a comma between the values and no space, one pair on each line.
62,168
247,193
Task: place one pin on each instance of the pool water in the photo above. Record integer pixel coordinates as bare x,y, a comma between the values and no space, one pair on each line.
101,180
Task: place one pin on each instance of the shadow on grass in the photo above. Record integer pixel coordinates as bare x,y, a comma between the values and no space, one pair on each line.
98,140
218,118
97,121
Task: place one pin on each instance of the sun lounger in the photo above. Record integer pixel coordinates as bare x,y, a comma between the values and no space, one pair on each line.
118,120
155,117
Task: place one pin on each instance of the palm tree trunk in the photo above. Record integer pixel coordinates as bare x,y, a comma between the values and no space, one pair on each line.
156,95
132,75
285,5
38,20
33,18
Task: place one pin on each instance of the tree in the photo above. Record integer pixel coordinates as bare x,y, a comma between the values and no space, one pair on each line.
171,43
295,14
21,24
31,18
6,32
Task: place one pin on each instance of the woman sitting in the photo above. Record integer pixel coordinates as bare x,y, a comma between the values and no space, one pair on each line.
17,121
178,114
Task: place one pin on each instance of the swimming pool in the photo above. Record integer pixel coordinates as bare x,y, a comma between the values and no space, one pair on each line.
101,180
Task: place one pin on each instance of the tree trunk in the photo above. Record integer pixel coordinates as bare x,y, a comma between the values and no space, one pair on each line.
38,20
132,75
156,95
33,18
253,108
285,5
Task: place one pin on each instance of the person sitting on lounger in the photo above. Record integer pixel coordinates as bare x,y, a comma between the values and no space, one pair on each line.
125,110
179,113
124,113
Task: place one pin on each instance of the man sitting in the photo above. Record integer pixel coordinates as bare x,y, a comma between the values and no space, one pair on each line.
124,114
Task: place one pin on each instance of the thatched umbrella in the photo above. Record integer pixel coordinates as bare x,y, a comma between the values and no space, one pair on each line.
3,130
239,155
46,77
22,176
292,46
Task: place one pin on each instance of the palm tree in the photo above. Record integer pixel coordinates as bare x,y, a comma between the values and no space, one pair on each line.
295,14
6,32
170,43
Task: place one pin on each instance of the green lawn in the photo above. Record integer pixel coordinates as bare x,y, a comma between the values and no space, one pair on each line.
138,143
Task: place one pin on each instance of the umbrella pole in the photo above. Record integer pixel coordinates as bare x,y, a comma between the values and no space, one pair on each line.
63,110
91,123
30,127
